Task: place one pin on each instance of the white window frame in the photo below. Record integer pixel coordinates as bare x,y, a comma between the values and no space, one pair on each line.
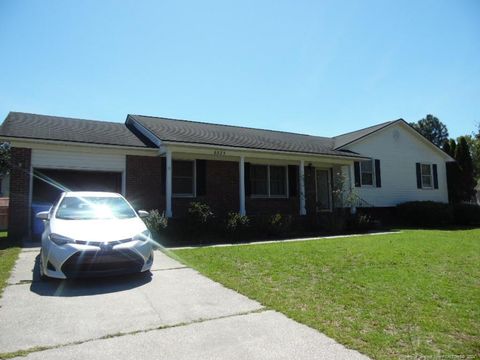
422,175
268,195
186,195
373,174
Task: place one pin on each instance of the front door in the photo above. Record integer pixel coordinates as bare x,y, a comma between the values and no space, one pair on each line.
323,187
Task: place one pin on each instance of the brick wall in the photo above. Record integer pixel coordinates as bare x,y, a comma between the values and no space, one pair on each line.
144,182
18,224
222,189
222,194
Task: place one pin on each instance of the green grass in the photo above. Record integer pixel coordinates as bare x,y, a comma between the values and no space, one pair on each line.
8,256
388,296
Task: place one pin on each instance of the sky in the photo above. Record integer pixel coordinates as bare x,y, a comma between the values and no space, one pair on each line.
315,67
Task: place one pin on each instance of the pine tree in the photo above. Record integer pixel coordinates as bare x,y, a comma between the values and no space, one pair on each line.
466,181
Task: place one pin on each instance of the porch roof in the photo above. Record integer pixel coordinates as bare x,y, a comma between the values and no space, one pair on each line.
193,132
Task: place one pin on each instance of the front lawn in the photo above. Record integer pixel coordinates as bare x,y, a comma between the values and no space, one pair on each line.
414,293
8,256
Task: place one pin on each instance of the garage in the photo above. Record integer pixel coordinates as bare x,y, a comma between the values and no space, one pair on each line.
49,183
57,171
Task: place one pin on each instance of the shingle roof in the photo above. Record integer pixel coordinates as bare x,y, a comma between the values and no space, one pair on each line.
185,131
34,126
344,139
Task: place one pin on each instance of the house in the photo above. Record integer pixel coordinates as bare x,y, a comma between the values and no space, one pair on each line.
160,163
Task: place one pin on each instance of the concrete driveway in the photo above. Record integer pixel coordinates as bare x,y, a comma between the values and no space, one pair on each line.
172,313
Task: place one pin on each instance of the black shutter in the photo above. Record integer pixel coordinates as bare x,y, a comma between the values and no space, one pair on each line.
292,180
248,190
163,169
201,170
356,167
435,176
419,176
378,175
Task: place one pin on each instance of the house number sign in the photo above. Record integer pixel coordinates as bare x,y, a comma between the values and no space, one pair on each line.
219,153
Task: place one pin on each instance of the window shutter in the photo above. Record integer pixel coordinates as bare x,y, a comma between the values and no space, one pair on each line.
201,173
292,180
435,176
163,169
419,176
356,168
248,190
378,175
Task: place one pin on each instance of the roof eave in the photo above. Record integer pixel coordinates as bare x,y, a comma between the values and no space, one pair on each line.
240,148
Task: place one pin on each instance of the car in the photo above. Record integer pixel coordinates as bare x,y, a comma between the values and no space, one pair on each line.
92,234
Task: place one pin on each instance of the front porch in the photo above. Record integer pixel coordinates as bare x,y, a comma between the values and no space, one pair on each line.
249,182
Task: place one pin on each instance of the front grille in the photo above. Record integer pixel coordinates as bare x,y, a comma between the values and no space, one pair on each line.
102,263
98,243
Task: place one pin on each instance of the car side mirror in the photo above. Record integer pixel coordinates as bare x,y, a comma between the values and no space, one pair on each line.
42,215
142,213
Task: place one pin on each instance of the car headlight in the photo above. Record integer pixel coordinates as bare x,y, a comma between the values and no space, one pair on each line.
143,236
59,239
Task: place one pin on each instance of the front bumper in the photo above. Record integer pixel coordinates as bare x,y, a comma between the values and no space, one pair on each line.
83,260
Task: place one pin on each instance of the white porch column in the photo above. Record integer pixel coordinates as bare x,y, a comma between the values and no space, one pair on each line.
301,178
168,184
241,168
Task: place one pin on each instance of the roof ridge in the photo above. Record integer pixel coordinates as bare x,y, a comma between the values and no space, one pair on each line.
65,117
368,127
234,126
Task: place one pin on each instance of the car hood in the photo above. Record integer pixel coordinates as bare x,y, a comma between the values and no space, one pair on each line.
98,230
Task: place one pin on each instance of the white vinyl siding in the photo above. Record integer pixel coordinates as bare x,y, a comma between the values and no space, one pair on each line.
399,150
49,159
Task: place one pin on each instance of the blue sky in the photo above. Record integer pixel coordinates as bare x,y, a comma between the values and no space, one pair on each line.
316,67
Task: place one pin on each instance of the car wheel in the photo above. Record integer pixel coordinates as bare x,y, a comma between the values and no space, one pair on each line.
43,277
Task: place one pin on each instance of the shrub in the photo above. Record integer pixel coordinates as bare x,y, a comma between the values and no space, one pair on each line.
279,225
425,213
236,222
156,223
199,215
333,222
361,222
466,214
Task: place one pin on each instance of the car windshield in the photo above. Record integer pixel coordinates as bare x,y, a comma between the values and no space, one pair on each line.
90,208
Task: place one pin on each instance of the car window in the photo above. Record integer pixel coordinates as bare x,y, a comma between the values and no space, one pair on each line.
89,208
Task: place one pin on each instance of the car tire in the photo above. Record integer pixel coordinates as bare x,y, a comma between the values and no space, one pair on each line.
43,277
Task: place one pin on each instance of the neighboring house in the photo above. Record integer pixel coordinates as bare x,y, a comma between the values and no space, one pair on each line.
164,164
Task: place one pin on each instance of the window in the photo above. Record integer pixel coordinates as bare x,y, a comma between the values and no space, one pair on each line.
183,178
268,180
259,179
278,181
366,173
426,171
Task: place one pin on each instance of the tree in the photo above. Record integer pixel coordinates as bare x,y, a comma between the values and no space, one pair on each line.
453,172
433,129
474,145
466,181
4,159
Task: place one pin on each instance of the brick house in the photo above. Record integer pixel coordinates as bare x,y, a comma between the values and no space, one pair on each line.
164,164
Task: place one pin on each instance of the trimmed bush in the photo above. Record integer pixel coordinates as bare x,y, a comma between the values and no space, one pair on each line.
199,214
237,225
425,213
236,222
157,224
361,223
466,214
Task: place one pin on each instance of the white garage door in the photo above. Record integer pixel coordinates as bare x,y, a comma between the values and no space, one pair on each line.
48,159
